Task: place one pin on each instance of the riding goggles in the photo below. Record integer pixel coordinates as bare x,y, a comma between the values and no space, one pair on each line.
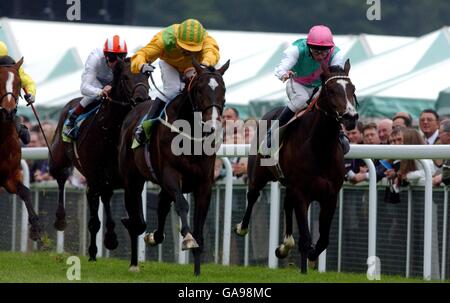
111,57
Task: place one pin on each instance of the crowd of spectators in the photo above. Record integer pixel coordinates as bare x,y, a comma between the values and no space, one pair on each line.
401,129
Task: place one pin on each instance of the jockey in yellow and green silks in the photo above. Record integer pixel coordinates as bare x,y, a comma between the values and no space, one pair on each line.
29,86
175,46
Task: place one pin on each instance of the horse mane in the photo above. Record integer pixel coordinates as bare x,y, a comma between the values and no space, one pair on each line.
7,60
336,69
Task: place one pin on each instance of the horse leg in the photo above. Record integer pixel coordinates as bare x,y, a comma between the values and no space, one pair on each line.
156,237
24,193
60,168
282,251
60,220
135,223
325,218
94,222
202,197
110,240
174,185
305,243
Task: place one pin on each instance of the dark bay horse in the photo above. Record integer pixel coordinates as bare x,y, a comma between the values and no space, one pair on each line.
160,162
312,161
94,154
10,149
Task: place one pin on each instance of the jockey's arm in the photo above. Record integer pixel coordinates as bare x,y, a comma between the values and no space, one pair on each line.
147,54
27,82
89,77
338,59
210,52
290,58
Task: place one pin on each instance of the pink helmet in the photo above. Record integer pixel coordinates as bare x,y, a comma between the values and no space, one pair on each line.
320,35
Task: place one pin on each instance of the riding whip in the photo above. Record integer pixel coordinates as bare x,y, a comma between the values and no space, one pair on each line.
42,130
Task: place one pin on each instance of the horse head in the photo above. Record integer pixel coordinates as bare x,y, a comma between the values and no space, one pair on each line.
338,95
129,88
10,85
206,92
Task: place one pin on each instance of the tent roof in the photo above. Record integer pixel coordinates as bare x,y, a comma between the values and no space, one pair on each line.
399,69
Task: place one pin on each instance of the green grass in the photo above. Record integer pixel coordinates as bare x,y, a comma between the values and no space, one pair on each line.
47,267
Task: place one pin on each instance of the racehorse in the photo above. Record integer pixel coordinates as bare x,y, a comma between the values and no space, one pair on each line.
94,154
175,173
312,161
10,149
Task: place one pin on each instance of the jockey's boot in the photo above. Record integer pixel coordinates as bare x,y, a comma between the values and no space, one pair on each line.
154,112
70,125
22,131
284,117
345,142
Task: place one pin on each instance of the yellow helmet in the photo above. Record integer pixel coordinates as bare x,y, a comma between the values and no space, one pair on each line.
3,49
190,35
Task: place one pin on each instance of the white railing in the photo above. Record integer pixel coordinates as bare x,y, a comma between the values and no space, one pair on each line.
365,152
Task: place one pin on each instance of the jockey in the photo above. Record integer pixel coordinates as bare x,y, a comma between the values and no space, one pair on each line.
301,61
29,87
175,46
97,77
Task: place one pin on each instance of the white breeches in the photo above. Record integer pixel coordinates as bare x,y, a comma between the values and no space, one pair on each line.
87,100
298,95
171,78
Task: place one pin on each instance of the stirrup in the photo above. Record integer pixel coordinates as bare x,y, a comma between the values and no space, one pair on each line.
139,134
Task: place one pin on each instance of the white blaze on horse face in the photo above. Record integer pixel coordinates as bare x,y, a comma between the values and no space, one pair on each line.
350,108
213,83
9,85
215,118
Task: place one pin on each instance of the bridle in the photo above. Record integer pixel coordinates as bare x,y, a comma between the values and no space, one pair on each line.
192,89
324,88
10,93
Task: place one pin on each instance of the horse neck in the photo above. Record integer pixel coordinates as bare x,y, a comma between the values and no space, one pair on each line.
6,129
180,108
325,131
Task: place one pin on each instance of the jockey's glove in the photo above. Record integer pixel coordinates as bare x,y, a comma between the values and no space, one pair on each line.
29,98
147,69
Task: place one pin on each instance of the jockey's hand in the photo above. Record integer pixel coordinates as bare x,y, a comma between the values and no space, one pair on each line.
147,69
106,91
29,98
287,75
190,73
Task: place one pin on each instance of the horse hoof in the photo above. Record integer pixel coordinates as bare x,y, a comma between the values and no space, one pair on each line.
239,231
152,240
189,242
312,264
60,225
133,269
280,253
110,241
35,235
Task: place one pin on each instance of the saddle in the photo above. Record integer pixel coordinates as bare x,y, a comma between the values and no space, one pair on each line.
148,125
90,110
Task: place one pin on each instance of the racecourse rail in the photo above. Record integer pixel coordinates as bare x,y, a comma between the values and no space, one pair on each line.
365,152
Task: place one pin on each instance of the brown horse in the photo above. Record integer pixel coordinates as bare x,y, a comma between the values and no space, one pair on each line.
94,154
312,162
175,172
10,149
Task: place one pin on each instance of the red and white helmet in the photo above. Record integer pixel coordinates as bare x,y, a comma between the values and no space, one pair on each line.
320,35
115,45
